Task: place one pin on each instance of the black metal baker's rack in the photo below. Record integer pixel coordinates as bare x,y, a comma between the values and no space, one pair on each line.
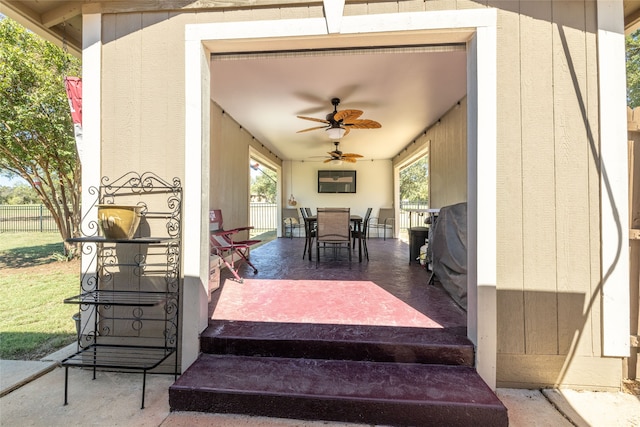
129,298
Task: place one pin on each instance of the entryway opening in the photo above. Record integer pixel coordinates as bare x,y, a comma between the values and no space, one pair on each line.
480,52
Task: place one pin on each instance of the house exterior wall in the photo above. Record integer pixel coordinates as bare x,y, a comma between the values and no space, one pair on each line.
143,93
548,195
448,158
229,161
549,307
632,367
446,142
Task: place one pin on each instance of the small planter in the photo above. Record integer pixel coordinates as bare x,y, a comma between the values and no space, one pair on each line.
119,221
76,318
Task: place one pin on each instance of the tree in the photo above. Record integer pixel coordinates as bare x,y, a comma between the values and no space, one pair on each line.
263,184
36,133
633,69
414,181
21,194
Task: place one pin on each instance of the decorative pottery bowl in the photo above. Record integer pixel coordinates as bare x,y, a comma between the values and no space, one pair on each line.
119,221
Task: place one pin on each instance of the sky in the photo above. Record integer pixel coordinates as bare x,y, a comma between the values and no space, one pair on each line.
10,182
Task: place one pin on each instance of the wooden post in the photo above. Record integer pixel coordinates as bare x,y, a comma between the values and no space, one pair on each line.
633,126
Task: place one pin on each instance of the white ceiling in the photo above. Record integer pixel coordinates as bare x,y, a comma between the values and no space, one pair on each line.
406,90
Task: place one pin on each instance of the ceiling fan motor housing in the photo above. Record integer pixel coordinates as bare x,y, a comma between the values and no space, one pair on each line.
330,117
348,119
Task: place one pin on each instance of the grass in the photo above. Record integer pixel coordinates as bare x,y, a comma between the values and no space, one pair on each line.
34,321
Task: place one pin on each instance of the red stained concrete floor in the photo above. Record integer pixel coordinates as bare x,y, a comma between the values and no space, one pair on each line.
386,290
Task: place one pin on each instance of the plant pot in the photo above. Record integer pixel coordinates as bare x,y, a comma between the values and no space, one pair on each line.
76,319
119,221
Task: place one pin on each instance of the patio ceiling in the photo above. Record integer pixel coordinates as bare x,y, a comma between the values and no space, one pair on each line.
405,91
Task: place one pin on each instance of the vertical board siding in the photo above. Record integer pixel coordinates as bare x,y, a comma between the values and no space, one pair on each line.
109,79
229,179
556,103
448,161
593,304
510,296
215,178
411,6
572,179
143,94
127,95
538,178
174,128
548,191
154,56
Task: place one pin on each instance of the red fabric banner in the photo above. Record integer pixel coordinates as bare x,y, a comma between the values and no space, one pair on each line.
73,85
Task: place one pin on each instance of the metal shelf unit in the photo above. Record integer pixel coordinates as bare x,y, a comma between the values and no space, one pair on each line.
130,289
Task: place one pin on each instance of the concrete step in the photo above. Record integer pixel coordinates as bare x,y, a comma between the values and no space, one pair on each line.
386,393
342,342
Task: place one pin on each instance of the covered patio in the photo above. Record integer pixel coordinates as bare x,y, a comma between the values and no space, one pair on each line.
385,291
333,342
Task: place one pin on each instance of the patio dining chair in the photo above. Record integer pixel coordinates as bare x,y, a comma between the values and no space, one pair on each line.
362,234
309,231
222,244
333,231
384,221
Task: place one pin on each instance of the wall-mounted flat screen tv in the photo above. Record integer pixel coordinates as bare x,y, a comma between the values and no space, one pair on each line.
334,181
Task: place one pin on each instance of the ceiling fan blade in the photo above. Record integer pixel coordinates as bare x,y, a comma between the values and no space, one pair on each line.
349,159
347,116
346,131
313,119
351,155
328,160
363,124
314,128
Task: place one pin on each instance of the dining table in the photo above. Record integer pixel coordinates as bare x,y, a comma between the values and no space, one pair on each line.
356,220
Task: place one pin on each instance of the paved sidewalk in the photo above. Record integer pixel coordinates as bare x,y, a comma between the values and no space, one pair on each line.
16,373
33,395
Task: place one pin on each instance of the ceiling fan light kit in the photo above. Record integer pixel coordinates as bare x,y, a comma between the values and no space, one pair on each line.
335,132
336,157
339,123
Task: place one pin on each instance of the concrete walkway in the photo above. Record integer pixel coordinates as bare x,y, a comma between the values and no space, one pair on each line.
33,395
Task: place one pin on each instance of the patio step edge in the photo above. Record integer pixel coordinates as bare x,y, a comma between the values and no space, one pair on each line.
342,342
338,390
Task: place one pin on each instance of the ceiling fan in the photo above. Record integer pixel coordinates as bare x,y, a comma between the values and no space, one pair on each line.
338,156
340,123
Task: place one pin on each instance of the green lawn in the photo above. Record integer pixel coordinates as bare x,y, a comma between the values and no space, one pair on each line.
33,283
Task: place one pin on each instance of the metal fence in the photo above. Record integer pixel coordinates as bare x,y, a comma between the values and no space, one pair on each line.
26,218
416,220
37,218
263,216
